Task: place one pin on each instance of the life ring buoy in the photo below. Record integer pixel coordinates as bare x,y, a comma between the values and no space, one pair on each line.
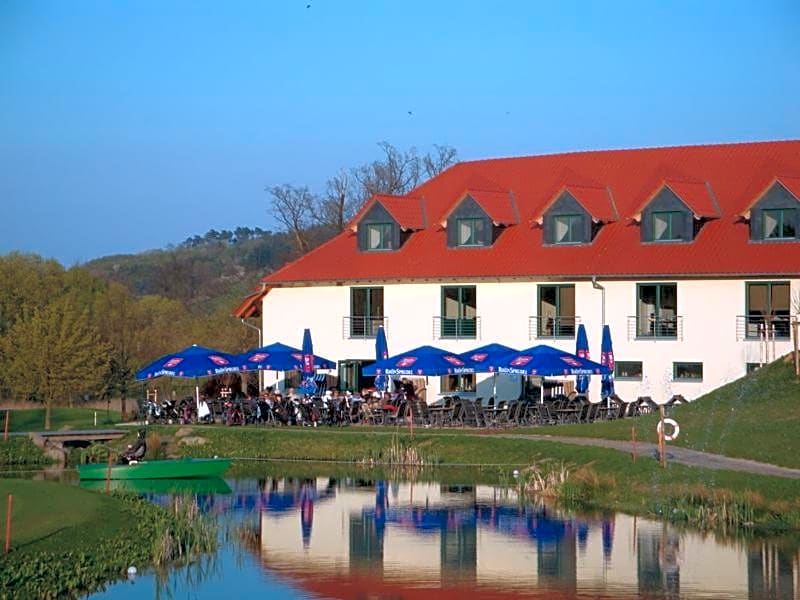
675,429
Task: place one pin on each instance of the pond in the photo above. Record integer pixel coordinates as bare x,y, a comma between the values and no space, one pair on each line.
349,537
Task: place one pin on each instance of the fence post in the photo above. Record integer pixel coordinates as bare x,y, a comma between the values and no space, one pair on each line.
7,546
633,443
661,441
8,418
796,327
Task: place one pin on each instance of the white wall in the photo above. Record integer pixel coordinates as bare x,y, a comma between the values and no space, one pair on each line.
709,309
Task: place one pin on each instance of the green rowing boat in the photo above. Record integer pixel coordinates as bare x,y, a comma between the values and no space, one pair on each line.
157,469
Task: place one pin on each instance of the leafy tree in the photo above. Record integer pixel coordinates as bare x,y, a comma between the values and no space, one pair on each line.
55,353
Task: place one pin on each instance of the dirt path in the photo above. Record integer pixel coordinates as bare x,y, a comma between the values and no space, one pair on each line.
684,456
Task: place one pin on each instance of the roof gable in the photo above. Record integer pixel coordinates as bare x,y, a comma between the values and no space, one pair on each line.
407,211
790,184
695,195
596,201
499,206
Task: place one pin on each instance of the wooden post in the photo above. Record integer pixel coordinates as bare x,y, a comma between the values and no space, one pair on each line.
796,327
662,450
9,506
633,443
8,419
108,471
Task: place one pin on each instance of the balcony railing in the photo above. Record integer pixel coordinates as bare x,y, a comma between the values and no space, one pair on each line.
754,327
552,327
452,328
362,327
655,327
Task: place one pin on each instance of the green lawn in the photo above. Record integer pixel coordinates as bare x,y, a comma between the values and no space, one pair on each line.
756,417
32,419
56,517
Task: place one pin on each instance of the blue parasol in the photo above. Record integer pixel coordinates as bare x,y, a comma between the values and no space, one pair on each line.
582,350
545,361
278,357
308,370
425,360
194,361
480,357
381,353
607,359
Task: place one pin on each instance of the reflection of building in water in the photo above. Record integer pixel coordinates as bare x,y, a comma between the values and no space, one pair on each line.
773,573
479,538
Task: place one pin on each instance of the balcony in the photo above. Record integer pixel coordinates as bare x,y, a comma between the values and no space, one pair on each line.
362,327
451,328
655,328
755,327
552,327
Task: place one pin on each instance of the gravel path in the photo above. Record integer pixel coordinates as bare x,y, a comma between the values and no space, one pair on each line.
685,456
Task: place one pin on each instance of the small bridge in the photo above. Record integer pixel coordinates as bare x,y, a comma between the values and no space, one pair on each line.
53,442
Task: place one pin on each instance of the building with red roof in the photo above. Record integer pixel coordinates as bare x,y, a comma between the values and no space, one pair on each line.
691,254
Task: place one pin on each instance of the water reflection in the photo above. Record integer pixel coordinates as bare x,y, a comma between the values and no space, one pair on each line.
395,538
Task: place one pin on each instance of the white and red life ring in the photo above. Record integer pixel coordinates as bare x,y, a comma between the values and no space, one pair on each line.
675,429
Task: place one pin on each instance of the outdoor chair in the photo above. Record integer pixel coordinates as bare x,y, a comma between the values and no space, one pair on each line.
480,417
457,418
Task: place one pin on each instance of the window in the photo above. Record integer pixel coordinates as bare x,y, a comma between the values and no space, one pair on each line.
628,370
470,231
666,225
657,310
379,236
779,223
568,229
459,312
452,384
687,371
366,311
768,308
556,311
752,367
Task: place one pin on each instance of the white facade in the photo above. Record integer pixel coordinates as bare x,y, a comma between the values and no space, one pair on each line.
710,313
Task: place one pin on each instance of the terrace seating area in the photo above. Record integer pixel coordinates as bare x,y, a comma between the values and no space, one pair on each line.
337,409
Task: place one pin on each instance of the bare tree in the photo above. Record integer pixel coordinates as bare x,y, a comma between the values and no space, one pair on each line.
441,158
339,205
294,208
397,173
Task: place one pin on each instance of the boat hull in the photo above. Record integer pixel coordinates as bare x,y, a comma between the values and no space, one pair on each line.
158,469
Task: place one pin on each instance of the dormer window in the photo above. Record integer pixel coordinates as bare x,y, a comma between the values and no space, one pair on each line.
471,231
779,223
379,236
666,224
568,229
775,215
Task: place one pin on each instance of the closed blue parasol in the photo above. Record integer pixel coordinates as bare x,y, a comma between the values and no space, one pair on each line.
278,357
381,353
425,360
194,361
607,359
582,350
308,370
545,361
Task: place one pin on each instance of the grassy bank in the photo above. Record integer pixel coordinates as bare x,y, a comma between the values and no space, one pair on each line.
615,482
756,417
67,541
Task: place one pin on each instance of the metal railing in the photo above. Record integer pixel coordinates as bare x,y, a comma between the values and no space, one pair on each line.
453,328
552,327
655,327
362,327
755,327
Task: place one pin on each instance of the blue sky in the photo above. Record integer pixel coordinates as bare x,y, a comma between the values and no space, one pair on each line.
130,125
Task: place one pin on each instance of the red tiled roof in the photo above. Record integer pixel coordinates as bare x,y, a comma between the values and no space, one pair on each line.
408,211
499,206
735,172
250,306
596,200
